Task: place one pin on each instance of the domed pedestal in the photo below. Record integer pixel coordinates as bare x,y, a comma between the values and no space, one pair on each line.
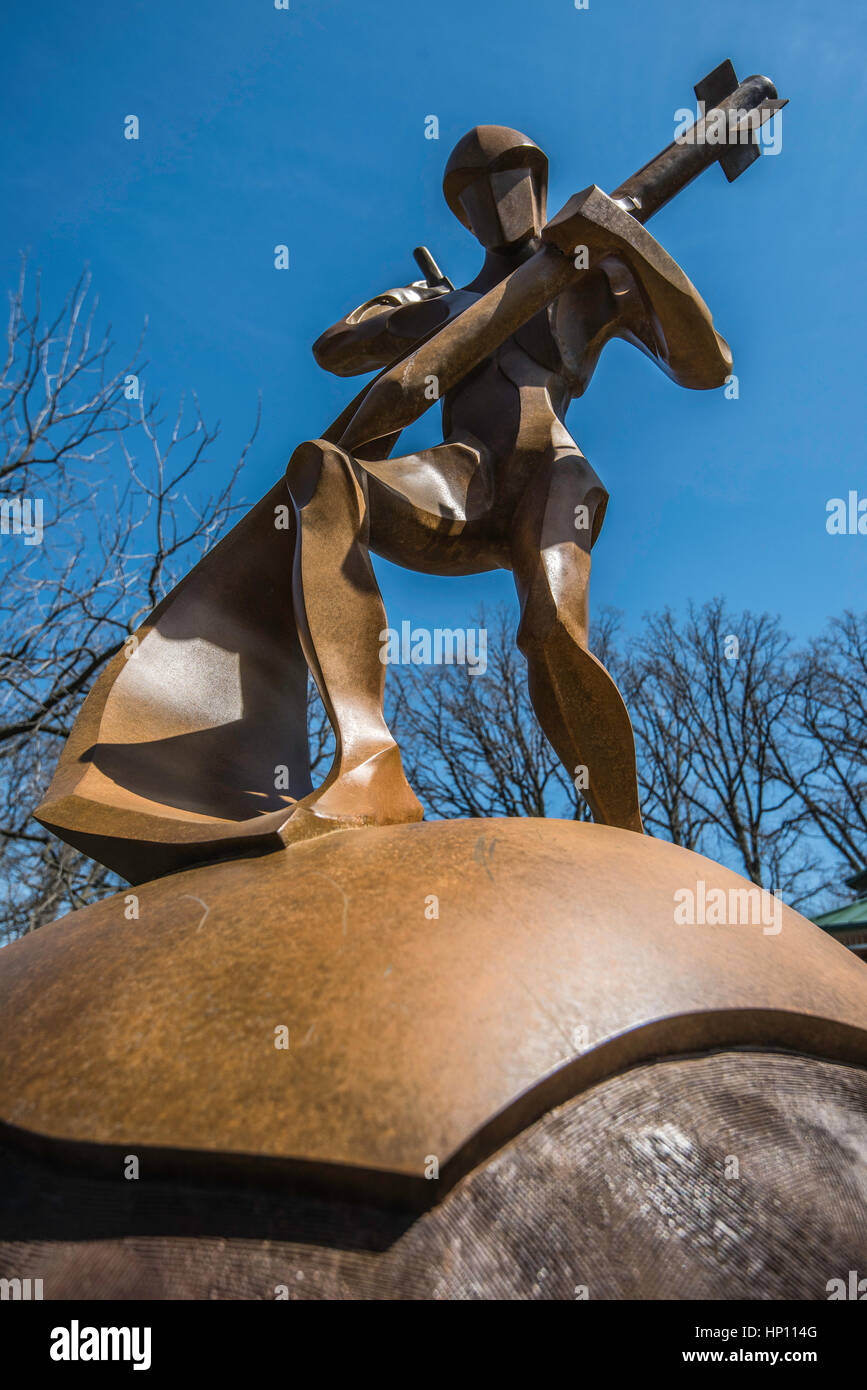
408,1062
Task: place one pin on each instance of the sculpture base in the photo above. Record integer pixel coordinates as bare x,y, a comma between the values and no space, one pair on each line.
358,1023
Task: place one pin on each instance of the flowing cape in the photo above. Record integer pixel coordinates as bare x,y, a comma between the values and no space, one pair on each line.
192,744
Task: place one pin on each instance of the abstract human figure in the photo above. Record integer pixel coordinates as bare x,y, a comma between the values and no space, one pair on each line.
508,488
192,745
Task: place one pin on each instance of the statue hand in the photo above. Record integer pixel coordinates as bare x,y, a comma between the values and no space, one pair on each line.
397,298
593,220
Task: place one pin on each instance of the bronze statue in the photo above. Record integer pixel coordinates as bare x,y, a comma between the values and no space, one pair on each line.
509,488
470,1058
174,756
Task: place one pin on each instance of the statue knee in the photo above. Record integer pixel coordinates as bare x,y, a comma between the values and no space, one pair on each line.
554,604
313,463
554,630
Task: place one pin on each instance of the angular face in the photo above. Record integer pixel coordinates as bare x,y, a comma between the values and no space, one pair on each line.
504,208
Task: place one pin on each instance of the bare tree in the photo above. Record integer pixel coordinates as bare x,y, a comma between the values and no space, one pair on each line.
823,760
711,697
664,746
711,704
122,515
471,743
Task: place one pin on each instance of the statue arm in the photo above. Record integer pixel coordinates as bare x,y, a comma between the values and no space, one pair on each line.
658,309
674,331
380,330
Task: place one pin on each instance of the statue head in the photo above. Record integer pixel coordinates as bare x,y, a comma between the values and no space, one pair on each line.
496,182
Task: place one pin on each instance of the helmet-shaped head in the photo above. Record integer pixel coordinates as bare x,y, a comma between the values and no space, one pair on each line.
496,182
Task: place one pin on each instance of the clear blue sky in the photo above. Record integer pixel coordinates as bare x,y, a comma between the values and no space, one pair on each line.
306,127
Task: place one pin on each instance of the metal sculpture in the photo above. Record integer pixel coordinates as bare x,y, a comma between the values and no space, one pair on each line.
173,758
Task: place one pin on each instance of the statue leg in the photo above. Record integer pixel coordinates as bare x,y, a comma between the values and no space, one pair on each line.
576,700
340,615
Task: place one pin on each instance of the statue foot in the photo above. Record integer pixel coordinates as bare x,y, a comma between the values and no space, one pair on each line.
374,792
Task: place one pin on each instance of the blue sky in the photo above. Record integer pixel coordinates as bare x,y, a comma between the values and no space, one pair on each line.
306,127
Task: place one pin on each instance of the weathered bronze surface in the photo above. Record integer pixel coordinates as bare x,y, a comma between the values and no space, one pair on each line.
174,756
555,960
626,1192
